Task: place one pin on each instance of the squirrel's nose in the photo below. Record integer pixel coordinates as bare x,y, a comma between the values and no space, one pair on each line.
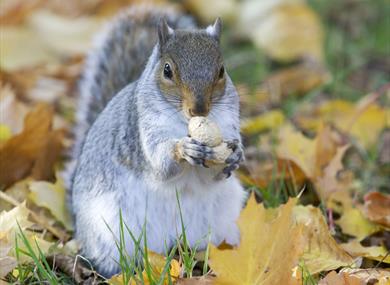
198,112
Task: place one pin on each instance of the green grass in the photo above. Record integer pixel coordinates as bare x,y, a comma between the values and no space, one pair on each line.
38,271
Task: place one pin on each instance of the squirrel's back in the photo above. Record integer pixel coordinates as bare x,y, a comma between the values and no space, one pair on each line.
119,57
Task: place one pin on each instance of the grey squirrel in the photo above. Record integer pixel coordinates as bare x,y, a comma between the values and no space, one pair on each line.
132,153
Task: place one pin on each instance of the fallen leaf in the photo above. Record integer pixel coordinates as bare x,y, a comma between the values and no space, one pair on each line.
330,181
49,36
5,133
53,197
8,225
377,208
369,275
21,153
203,280
64,35
322,253
294,146
9,232
14,54
364,120
341,278
352,220
299,29
267,237
209,11
296,80
379,253
12,110
269,120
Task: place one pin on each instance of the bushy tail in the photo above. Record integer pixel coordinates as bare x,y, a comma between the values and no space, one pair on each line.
118,59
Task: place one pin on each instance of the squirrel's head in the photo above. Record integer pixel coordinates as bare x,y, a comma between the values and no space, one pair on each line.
191,74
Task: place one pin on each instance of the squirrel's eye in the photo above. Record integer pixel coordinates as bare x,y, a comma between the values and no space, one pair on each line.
168,71
221,72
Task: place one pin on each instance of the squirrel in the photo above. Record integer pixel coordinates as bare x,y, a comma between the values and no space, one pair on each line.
151,71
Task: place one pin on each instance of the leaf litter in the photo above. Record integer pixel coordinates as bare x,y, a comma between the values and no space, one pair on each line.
322,234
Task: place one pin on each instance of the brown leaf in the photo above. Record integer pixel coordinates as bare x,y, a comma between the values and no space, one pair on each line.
71,266
12,110
342,278
296,80
20,154
357,276
377,208
204,280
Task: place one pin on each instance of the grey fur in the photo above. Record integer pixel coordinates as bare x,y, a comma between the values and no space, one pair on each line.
128,159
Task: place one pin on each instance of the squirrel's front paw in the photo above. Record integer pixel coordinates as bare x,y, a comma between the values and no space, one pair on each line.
193,151
233,161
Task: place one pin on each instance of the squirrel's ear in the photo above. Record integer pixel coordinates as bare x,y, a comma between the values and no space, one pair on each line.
164,32
215,29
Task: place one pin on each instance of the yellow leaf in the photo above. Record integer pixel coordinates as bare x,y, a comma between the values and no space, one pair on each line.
378,253
299,32
363,120
267,238
352,221
5,133
320,158
208,11
322,253
269,120
9,221
9,230
296,147
53,197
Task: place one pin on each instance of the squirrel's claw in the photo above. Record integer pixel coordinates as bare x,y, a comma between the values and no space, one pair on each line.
233,161
195,152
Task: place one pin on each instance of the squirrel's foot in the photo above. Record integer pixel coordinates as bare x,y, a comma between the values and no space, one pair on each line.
233,161
193,151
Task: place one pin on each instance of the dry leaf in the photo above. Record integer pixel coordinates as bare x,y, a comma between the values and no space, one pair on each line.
322,253
9,230
295,80
319,158
53,197
352,221
208,11
23,153
270,120
299,30
267,238
203,280
49,37
12,110
377,208
342,278
364,120
379,253
375,276
64,35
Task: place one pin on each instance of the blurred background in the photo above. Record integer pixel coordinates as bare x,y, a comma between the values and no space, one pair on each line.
293,61
314,84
